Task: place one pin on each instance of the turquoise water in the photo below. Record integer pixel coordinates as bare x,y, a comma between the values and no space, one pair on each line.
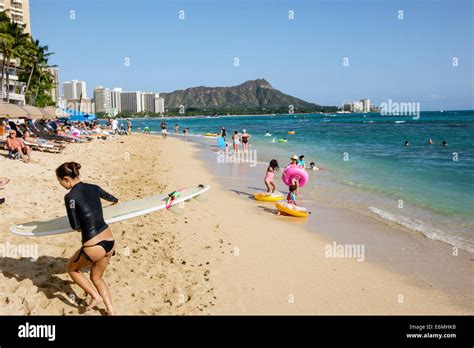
366,151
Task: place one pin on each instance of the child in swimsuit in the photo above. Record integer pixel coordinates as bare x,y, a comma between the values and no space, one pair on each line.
272,168
236,142
291,195
294,163
315,167
301,162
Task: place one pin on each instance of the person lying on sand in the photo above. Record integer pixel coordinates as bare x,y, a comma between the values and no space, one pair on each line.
38,141
16,145
84,211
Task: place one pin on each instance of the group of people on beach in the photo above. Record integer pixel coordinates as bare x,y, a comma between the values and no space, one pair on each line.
273,167
120,129
237,139
52,135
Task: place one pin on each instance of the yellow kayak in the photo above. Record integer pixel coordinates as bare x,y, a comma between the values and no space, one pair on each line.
268,197
211,135
291,132
291,209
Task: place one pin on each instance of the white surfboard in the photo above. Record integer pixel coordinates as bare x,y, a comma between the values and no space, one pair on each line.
112,213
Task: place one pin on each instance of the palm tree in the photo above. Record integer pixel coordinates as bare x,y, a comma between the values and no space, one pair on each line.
18,48
13,42
16,43
36,61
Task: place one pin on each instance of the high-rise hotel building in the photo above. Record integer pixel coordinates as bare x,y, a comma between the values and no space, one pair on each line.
102,99
18,11
116,100
131,101
74,89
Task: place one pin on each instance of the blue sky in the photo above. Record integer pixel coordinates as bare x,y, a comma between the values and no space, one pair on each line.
408,60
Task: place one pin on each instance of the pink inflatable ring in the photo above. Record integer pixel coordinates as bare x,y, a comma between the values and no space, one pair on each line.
291,174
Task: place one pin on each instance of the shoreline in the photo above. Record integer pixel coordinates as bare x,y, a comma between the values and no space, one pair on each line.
222,255
392,246
415,218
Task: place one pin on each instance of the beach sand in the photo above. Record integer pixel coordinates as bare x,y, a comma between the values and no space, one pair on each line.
223,254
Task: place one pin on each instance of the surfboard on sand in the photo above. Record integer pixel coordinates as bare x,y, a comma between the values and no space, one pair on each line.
112,213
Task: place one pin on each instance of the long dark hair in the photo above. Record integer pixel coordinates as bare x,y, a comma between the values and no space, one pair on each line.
70,169
274,165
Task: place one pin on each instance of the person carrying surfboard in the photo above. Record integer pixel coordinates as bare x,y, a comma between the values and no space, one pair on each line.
84,211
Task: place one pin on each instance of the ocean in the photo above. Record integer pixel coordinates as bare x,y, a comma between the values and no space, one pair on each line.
425,188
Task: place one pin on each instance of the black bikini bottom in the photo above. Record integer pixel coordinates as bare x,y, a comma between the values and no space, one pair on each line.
107,245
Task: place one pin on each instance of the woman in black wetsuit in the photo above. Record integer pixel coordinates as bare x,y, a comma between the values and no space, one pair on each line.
84,211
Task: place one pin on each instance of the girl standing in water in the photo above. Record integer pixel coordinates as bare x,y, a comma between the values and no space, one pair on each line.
272,168
85,214
235,141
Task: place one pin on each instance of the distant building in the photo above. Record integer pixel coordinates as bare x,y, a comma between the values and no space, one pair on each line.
160,104
357,106
102,99
148,101
365,105
18,11
116,100
74,89
131,101
347,107
16,89
374,108
152,102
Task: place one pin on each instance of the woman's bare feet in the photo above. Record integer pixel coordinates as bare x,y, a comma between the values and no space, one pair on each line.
94,302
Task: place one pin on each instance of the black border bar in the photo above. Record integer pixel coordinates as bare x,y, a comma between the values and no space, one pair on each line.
224,330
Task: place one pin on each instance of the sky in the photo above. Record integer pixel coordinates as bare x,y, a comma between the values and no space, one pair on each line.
327,52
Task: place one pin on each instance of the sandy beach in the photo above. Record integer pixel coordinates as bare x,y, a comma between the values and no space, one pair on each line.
222,254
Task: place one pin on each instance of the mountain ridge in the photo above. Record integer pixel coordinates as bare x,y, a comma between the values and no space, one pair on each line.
258,93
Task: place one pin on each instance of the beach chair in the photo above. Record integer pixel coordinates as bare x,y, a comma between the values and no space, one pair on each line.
33,129
41,145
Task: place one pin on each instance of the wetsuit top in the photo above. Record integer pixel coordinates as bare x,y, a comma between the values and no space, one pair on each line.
84,209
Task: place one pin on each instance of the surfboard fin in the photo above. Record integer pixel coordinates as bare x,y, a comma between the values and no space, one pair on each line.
200,199
176,209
